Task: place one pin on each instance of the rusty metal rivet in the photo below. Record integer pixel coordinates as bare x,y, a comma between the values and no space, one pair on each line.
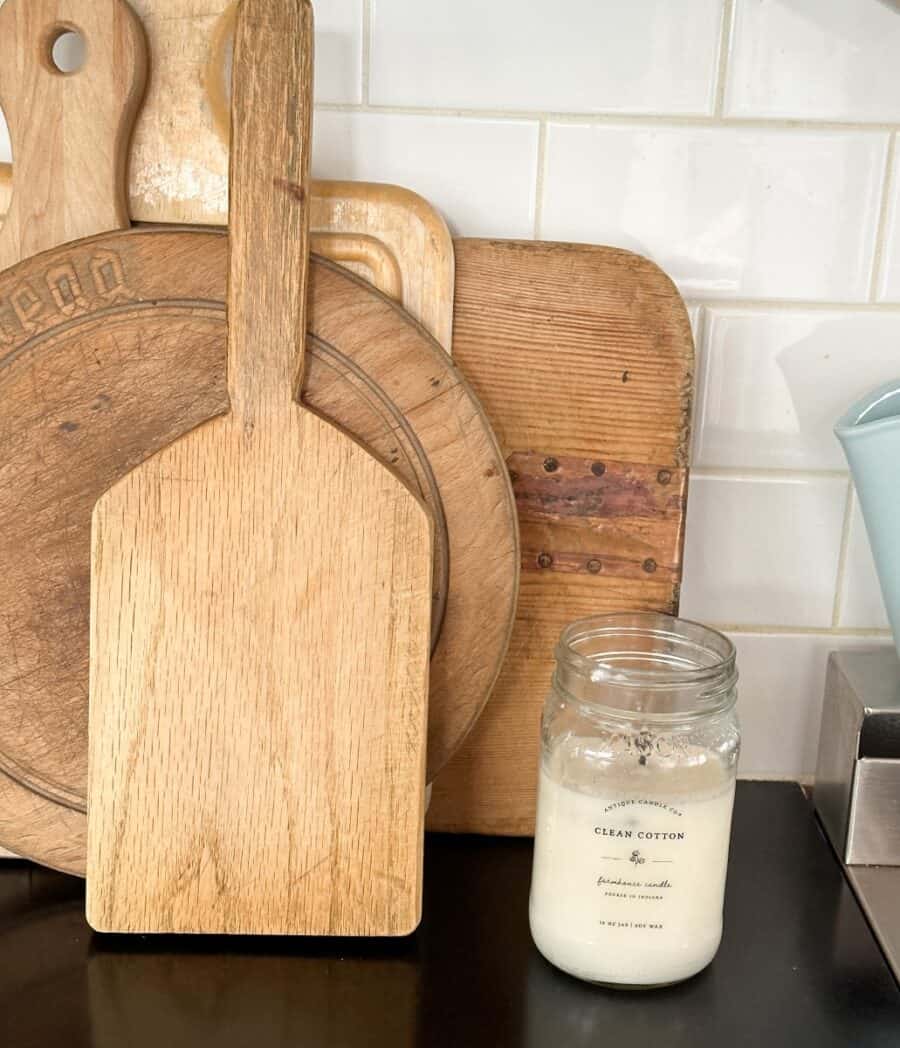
598,469
544,560
650,565
551,465
664,476
594,566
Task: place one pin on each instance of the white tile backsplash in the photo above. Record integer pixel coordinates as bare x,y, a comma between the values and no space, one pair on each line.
772,383
820,59
480,173
768,221
780,692
580,56
763,551
862,606
726,211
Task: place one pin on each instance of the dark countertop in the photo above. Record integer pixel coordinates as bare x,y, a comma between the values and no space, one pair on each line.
798,965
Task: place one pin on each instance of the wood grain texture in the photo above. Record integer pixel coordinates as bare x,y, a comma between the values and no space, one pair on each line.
93,385
259,648
583,359
67,129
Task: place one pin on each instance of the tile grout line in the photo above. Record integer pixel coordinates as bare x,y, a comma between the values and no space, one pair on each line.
883,213
837,606
727,28
748,630
699,120
539,180
766,473
366,56
787,304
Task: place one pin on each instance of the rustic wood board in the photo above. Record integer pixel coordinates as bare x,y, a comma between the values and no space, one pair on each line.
73,422
260,607
67,128
583,359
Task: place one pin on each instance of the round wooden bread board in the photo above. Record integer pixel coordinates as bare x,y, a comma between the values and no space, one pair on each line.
112,348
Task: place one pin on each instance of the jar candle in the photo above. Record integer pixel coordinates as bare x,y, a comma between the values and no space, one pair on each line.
640,743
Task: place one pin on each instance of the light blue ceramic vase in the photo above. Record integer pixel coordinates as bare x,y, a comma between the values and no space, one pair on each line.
870,435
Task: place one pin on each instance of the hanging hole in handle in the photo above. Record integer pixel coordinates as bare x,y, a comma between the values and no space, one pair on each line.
67,50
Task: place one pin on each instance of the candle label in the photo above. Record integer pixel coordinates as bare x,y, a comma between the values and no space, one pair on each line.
629,868
628,828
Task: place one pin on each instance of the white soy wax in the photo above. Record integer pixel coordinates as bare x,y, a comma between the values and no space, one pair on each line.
630,866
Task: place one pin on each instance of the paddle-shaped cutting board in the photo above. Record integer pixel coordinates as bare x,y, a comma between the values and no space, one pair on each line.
259,648
67,128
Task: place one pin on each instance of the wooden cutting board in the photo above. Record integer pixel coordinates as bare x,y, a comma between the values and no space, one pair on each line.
82,406
75,419
583,358
260,608
64,144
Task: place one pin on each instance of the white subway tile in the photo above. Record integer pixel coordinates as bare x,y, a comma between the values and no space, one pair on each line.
762,551
780,693
480,173
338,66
889,281
725,211
818,59
862,606
644,56
773,383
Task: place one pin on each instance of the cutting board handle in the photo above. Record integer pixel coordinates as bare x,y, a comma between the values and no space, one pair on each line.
70,132
271,119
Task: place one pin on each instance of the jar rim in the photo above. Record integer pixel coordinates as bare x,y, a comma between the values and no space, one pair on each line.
705,663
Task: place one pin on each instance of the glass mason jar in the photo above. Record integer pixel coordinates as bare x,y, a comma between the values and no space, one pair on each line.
640,743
